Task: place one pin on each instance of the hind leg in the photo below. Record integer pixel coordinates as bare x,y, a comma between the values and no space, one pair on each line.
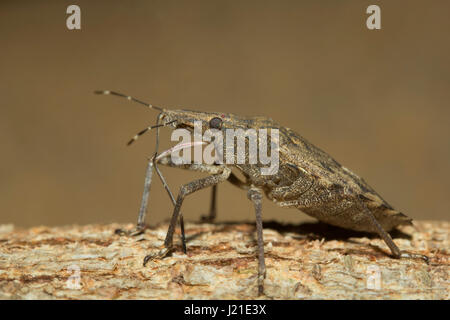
396,252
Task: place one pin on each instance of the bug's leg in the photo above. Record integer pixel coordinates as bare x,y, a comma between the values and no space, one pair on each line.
396,252
213,169
255,196
166,186
168,161
208,168
213,207
140,226
184,191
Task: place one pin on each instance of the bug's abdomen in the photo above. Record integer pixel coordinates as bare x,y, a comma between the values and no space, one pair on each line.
338,206
353,218
342,208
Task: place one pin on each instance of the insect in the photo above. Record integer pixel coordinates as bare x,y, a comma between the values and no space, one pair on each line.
307,179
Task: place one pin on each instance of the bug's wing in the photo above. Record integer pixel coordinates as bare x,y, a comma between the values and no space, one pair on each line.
328,172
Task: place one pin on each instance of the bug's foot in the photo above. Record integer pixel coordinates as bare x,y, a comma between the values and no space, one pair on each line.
161,254
209,218
206,219
139,229
409,255
261,284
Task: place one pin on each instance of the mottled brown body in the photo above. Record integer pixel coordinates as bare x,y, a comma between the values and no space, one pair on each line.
308,178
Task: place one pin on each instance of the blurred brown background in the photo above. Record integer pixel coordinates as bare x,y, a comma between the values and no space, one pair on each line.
377,101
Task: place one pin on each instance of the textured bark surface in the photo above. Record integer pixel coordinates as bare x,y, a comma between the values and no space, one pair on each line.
307,261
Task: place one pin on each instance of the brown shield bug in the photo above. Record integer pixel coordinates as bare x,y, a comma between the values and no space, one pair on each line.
307,178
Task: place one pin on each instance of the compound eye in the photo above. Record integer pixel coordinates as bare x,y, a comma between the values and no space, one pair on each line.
215,123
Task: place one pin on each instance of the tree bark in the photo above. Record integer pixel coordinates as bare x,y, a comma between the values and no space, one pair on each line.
307,261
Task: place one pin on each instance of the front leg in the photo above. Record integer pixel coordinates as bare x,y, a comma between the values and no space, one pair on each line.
255,196
176,162
184,191
140,226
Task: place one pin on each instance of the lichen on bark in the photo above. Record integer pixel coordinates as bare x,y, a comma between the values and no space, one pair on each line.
307,261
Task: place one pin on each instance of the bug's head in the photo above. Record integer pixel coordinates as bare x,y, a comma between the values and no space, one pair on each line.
187,119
